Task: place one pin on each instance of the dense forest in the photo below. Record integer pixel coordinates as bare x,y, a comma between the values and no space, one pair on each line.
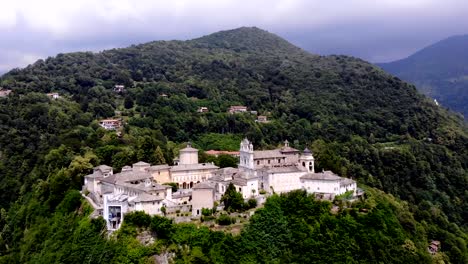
439,71
359,121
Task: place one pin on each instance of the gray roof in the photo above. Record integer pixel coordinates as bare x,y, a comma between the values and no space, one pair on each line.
103,168
283,168
181,194
128,176
324,176
265,154
346,181
159,167
288,150
203,185
188,149
239,181
224,174
94,175
199,166
143,187
307,151
141,164
144,197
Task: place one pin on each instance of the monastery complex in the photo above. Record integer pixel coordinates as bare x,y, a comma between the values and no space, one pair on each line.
260,173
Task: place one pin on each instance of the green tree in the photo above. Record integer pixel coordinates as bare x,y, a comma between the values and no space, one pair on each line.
128,102
159,156
232,199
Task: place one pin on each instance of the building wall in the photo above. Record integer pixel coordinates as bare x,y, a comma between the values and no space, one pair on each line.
283,182
188,157
202,198
91,184
191,176
151,208
321,186
348,187
292,158
246,191
161,176
269,161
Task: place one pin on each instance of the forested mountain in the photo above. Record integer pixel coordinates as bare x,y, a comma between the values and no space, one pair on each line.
360,122
439,71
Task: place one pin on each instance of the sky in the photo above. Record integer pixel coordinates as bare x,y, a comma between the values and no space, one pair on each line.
374,30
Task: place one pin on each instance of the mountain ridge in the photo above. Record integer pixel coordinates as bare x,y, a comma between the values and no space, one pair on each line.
439,70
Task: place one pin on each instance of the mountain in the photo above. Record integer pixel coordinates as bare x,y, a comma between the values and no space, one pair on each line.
439,71
360,122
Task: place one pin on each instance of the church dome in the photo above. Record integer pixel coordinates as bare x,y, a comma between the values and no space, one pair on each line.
188,155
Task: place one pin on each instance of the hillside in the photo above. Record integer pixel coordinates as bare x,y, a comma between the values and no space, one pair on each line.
439,71
359,121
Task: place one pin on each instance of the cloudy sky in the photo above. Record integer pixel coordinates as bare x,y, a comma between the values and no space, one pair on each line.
375,30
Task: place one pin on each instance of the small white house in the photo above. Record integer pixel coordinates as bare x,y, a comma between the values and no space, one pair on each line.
54,96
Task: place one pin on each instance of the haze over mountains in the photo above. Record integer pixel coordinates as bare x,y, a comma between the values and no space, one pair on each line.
439,71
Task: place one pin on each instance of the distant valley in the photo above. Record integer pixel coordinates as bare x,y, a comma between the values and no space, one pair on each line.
439,71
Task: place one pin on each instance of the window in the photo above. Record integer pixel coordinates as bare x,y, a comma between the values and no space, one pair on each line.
240,189
258,162
279,160
268,161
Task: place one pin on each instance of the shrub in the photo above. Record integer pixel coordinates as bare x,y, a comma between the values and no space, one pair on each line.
252,203
162,226
138,218
207,218
225,220
206,211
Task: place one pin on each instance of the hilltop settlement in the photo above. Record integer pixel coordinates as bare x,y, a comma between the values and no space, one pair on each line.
143,187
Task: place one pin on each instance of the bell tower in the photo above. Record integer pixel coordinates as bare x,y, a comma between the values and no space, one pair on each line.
246,157
306,160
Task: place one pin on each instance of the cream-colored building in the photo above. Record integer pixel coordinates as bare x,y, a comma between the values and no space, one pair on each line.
203,196
161,173
188,171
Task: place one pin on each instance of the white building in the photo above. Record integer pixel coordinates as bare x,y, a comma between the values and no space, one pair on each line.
119,88
327,184
110,124
138,188
237,109
54,96
203,196
133,189
278,171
